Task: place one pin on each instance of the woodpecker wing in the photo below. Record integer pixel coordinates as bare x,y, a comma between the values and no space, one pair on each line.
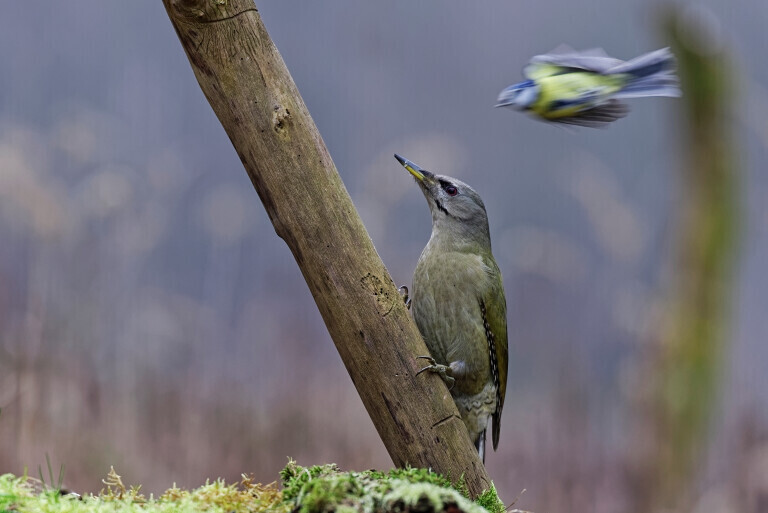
494,305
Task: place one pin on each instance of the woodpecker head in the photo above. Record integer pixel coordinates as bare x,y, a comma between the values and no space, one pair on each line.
454,205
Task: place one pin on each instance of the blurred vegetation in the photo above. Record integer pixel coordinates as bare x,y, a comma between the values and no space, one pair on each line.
686,361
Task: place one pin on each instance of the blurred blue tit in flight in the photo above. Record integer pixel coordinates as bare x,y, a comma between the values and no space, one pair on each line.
584,88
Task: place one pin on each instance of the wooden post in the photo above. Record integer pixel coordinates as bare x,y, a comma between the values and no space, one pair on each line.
247,84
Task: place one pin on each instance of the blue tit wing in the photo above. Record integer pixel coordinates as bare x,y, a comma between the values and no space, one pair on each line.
594,60
596,117
538,70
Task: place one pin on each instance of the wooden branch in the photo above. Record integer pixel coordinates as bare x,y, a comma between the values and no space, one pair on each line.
247,84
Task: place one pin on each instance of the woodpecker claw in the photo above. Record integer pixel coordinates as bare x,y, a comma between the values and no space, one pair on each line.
440,369
403,290
430,360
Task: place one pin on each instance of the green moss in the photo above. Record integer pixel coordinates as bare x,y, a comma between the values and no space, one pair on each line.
490,500
423,475
19,495
325,488
316,489
407,496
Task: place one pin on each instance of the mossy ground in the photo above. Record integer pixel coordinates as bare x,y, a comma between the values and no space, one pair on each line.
316,489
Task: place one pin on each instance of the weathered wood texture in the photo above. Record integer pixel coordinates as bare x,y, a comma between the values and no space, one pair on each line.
247,84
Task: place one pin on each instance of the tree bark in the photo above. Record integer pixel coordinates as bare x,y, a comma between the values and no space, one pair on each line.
247,84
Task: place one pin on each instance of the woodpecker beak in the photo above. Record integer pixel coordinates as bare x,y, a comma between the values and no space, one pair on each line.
418,173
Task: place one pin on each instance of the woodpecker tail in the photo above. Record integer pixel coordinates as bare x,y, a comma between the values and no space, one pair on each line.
480,445
652,74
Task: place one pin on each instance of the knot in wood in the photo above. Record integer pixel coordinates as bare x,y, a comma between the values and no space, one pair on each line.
194,9
280,118
384,300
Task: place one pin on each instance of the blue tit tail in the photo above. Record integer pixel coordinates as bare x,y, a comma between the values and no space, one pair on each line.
652,74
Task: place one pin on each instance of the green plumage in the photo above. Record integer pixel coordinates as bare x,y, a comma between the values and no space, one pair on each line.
458,302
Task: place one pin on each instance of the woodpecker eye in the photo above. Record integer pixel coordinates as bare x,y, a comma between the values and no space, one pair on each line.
451,190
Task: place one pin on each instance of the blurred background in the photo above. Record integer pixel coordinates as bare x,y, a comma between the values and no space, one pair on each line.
151,319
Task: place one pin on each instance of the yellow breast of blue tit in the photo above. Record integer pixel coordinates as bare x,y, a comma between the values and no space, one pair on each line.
568,94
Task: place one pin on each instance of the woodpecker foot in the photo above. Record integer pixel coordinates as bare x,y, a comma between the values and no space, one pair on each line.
442,370
406,298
